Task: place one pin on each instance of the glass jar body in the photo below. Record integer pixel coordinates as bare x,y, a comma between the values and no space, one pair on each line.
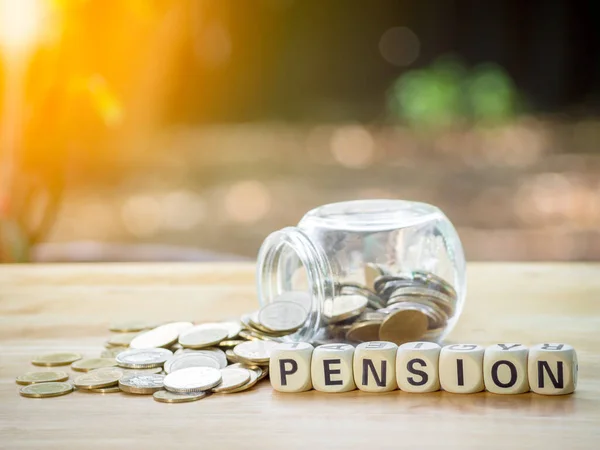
352,265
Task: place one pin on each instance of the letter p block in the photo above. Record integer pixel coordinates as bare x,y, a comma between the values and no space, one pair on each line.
289,367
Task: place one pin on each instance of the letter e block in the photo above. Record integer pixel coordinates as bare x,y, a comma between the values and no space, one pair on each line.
417,367
461,368
375,366
289,367
552,369
331,368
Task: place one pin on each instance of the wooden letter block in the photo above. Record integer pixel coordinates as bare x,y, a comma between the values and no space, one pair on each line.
461,368
417,367
331,368
552,369
375,366
289,367
505,369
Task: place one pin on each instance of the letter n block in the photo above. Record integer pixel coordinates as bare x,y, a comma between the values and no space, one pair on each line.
417,367
461,368
331,368
552,369
289,367
505,369
375,366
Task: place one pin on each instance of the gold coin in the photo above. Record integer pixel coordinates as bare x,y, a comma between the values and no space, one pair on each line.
99,378
344,307
405,325
41,377
230,343
111,352
55,359
372,272
121,339
43,390
163,336
233,378
172,397
85,365
254,352
104,390
364,331
202,336
141,384
130,326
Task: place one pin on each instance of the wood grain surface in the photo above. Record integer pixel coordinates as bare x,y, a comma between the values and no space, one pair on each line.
68,307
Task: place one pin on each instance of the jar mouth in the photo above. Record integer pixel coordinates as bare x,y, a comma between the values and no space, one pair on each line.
373,215
275,272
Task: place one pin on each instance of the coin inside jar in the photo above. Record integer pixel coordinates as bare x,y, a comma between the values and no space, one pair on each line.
282,316
41,377
344,307
43,390
403,326
364,331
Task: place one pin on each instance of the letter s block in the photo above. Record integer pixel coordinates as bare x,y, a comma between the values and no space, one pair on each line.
289,367
552,369
375,366
505,369
417,367
331,368
461,368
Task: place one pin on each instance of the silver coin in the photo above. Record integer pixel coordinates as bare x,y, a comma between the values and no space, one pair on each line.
162,336
141,384
282,316
232,378
143,358
192,379
185,360
257,352
344,307
213,352
204,335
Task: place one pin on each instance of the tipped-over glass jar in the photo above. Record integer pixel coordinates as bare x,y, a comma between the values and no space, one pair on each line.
360,271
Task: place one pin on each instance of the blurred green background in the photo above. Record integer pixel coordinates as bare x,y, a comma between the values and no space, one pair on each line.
190,129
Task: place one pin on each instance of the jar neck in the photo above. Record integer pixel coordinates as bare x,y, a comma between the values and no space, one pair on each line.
274,278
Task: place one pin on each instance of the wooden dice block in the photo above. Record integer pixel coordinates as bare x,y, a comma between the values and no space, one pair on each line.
552,369
417,367
505,369
331,368
375,366
461,368
289,367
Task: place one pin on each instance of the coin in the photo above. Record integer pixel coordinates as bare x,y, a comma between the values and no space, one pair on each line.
99,378
372,272
403,326
233,328
130,326
185,360
232,379
302,298
282,316
344,307
121,339
150,370
41,377
254,375
230,343
43,390
111,352
172,397
232,356
143,358
162,336
141,384
364,331
202,336
85,365
103,390
192,379
257,352
55,359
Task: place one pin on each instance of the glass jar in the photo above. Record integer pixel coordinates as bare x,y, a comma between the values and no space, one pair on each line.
364,270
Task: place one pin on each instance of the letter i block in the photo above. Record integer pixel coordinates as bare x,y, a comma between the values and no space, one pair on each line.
505,369
289,367
552,369
461,368
331,368
417,367
375,366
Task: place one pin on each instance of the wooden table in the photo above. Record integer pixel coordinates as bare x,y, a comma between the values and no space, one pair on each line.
68,307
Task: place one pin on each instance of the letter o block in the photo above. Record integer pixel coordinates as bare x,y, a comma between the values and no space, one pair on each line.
461,368
417,367
331,368
375,366
505,369
289,367
552,369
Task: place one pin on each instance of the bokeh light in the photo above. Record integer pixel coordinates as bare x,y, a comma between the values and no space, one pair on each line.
399,46
247,201
353,146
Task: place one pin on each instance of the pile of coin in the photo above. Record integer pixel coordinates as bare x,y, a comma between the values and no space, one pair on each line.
175,362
